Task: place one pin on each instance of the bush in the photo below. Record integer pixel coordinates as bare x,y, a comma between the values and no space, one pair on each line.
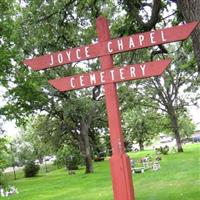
163,150
72,162
69,157
31,169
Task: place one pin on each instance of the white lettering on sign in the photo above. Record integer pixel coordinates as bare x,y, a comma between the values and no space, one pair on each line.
78,54
112,74
102,77
121,72
152,37
163,37
120,44
108,76
52,61
141,39
60,58
142,67
132,72
93,79
109,47
86,52
81,80
68,55
72,82
131,43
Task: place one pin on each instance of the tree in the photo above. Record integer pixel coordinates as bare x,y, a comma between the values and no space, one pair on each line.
12,151
64,31
190,10
164,90
73,122
138,118
3,153
139,124
8,35
69,156
31,169
3,160
187,127
41,148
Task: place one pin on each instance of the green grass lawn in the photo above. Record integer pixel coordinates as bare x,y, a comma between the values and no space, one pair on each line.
178,179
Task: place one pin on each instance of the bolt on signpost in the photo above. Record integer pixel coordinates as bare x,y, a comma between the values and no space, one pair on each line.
108,76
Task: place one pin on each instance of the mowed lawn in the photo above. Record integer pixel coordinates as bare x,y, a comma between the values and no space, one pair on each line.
178,179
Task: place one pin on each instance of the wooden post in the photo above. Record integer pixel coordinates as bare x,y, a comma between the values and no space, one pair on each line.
119,162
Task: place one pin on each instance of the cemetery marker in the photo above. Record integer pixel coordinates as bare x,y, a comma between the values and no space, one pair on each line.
108,76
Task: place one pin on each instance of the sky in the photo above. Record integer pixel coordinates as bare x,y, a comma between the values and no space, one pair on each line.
195,115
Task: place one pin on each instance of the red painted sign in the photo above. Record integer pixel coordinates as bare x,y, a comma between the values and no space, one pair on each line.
114,46
113,75
108,76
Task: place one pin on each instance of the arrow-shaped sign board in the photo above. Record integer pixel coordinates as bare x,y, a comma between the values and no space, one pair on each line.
137,41
113,75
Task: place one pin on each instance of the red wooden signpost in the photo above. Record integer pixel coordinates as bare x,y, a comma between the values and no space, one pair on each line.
108,76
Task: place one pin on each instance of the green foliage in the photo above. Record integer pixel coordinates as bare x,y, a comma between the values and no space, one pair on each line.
21,151
185,123
187,127
3,153
163,150
69,157
32,135
31,169
139,125
3,181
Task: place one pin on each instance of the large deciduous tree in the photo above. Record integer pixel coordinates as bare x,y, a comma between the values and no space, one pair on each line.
165,90
47,27
190,9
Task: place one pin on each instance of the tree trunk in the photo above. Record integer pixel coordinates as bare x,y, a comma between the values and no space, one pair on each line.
190,10
85,145
14,172
141,145
46,170
175,128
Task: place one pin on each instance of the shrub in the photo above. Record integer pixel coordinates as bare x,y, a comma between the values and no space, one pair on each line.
72,162
69,157
163,150
31,169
